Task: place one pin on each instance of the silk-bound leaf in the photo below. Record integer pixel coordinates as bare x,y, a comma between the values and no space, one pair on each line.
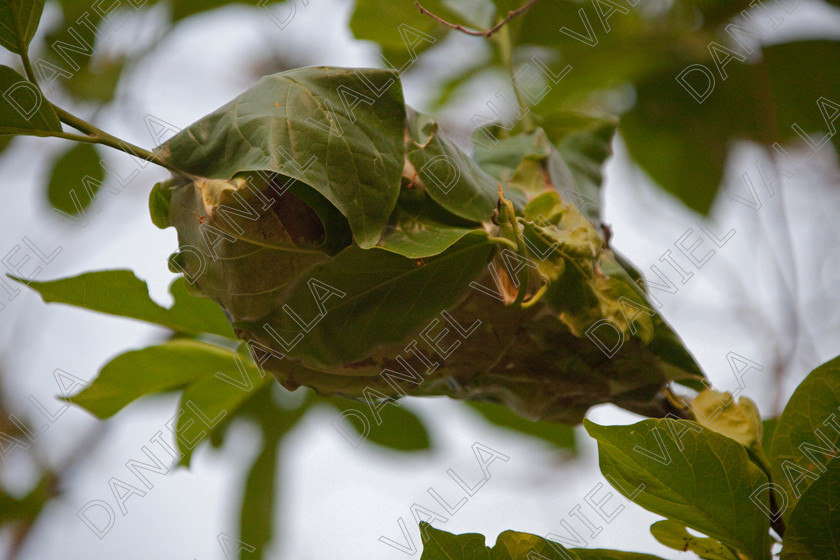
674,535
807,435
75,179
689,474
814,527
386,298
451,178
18,22
420,228
121,293
340,131
155,369
338,317
23,108
585,143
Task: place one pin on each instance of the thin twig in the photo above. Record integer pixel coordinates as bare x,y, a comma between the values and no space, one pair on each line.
97,136
485,33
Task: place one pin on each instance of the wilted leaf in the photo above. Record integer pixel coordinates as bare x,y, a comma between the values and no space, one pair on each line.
740,421
674,535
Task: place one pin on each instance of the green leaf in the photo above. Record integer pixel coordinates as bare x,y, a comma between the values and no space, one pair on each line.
668,131
155,369
121,293
684,468
558,435
18,22
185,8
814,528
29,507
400,429
256,518
75,179
440,545
23,109
605,554
585,142
420,228
387,298
217,395
96,81
516,160
398,26
258,512
674,535
510,545
160,199
803,442
342,128
767,431
513,545
451,178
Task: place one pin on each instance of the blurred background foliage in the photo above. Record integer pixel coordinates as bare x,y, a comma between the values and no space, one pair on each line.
624,61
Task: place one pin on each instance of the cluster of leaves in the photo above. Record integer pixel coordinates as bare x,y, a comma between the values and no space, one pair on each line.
714,475
317,194
758,90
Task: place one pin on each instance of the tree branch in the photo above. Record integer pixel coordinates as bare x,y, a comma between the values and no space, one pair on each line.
478,33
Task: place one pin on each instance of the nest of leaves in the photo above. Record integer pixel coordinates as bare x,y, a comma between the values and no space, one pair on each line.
358,251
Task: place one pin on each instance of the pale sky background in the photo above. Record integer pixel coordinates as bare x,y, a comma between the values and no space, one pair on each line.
336,501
